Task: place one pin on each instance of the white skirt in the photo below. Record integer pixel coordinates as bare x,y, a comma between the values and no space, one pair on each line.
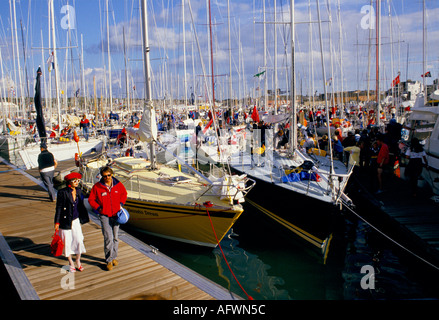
73,239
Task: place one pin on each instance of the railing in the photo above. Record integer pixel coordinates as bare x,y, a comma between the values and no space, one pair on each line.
133,184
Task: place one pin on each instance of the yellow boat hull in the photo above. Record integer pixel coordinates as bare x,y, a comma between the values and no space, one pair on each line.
189,224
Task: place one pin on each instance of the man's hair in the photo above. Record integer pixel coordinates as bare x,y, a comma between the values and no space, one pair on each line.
106,169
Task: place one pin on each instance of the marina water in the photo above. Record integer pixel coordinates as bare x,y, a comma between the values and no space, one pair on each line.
272,265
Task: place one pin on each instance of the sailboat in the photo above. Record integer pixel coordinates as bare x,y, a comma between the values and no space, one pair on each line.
166,202
300,191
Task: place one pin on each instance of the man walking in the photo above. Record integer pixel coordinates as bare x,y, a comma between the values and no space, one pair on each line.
106,198
46,166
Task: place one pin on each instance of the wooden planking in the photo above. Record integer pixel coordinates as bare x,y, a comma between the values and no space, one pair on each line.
416,218
26,222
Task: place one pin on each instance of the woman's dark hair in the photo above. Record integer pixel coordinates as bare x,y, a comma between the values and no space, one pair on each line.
415,146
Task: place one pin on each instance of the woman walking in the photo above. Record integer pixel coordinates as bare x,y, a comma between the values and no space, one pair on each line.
70,214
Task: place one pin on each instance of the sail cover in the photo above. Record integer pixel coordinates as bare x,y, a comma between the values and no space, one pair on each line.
39,109
148,125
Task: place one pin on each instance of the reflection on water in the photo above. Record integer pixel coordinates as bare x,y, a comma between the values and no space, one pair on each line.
271,266
251,272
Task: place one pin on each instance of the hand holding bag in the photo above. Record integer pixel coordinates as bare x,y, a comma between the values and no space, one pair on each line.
123,216
57,246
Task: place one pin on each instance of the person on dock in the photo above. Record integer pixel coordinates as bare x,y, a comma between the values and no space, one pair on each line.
382,161
85,125
70,213
415,154
46,165
106,198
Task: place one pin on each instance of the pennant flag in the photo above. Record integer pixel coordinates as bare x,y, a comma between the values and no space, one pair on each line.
207,126
259,74
395,81
255,115
51,62
77,93
427,75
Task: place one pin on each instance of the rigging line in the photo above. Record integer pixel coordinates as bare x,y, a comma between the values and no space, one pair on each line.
222,252
386,236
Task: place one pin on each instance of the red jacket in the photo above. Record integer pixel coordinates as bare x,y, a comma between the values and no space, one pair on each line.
110,201
383,155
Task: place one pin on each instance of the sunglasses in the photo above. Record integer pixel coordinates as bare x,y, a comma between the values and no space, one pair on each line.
75,180
106,175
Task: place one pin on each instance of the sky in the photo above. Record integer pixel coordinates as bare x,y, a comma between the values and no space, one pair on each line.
346,64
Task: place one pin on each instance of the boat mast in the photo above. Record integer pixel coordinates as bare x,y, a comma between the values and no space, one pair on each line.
230,62
378,60
4,94
293,119
83,75
126,72
55,62
265,63
324,84
20,81
184,56
146,61
424,58
275,57
211,61
109,59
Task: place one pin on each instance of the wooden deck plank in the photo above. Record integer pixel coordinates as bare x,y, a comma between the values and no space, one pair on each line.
26,227
416,217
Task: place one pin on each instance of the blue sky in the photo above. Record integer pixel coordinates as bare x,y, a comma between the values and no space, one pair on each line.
166,42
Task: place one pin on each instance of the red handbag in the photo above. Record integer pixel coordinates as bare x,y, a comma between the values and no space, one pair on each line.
57,246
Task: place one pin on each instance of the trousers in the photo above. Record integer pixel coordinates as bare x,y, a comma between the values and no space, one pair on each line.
110,231
47,178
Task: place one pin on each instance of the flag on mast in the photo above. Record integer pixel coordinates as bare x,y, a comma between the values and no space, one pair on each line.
427,74
395,81
258,75
51,62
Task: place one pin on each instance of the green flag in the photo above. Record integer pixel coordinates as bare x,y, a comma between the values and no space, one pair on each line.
259,74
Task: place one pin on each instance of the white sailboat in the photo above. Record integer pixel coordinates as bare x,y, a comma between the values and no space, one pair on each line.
301,191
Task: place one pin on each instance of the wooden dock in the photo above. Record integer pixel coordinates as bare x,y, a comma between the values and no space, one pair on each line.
414,220
26,229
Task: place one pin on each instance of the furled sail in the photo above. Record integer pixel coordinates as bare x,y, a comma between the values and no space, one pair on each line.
39,109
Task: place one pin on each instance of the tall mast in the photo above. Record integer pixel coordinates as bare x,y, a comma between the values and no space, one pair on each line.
424,57
127,87
275,57
265,63
293,118
324,81
230,61
211,59
109,59
20,81
83,75
378,60
148,96
184,55
55,62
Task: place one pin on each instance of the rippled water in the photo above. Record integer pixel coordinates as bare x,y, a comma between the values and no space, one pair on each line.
270,265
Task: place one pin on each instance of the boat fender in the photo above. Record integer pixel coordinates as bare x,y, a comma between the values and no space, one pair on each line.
77,159
208,204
